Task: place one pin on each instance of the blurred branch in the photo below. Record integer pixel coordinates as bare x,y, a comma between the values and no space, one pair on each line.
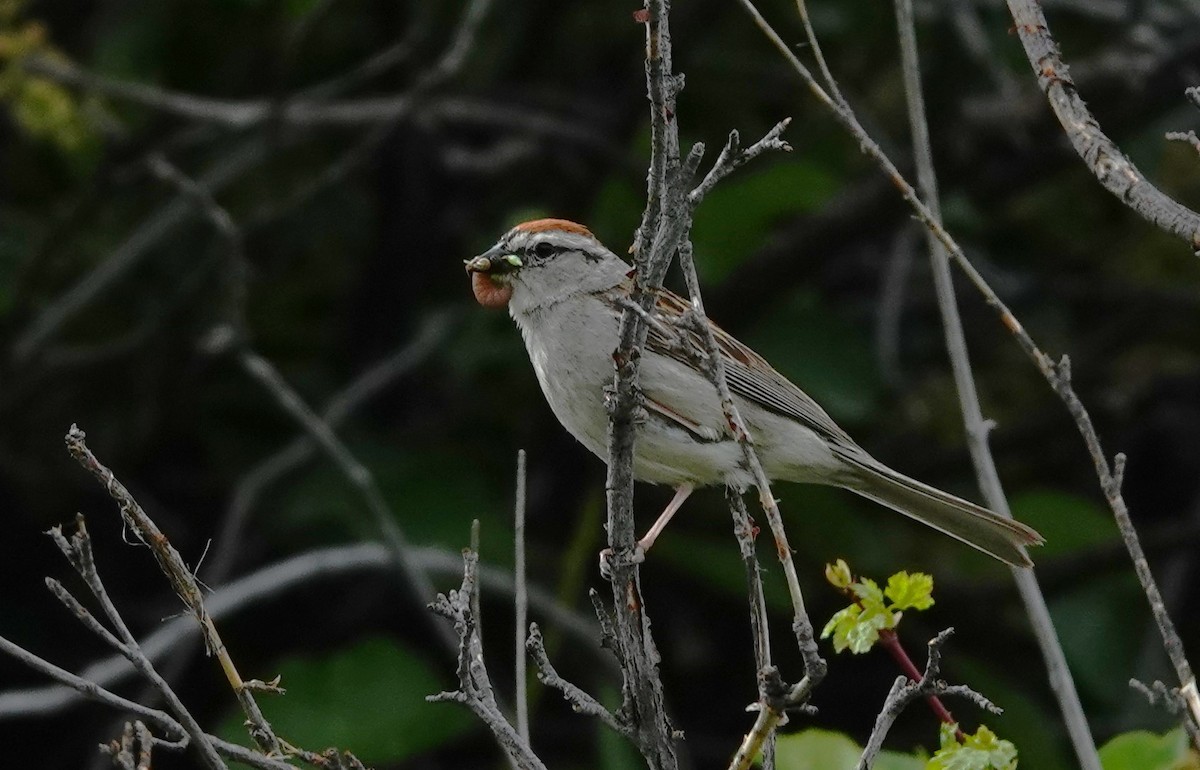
270,582
224,172
230,334
131,252
304,112
1115,172
357,474
977,428
93,691
425,343
475,691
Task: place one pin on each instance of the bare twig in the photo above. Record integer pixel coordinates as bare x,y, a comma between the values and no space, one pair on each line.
1172,699
1115,172
274,580
1187,137
521,603
977,427
580,701
775,697
92,691
733,157
475,691
905,690
746,533
183,583
771,705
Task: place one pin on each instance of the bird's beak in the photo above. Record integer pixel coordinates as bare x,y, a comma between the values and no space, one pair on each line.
495,261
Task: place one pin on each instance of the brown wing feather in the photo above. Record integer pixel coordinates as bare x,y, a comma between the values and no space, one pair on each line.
748,374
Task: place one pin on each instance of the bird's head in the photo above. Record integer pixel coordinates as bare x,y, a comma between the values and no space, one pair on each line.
540,262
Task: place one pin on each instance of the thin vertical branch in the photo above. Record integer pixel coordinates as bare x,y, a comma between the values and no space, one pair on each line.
818,55
746,532
1061,681
522,603
461,607
642,692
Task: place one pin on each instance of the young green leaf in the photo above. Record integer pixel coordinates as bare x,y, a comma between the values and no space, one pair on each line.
910,591
982,751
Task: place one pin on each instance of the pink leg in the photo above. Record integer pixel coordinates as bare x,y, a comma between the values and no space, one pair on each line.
681,494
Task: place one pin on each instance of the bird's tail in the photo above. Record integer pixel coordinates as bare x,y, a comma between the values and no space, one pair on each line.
995,535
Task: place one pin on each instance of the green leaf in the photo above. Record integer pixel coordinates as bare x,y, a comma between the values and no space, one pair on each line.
981,751
840,626
907,591
368,699
857,627
867,591
815,749
1142,750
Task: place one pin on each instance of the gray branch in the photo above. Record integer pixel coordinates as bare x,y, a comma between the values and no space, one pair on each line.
904,691
977,428
461,608
1115,172
269,583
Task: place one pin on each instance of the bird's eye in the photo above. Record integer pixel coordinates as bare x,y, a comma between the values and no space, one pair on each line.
544,250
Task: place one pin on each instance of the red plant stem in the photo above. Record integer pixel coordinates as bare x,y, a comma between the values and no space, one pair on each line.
891,642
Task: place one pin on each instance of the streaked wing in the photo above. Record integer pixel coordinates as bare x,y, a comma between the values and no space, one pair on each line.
748,374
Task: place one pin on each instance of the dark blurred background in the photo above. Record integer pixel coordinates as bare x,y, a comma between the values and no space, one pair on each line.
359,168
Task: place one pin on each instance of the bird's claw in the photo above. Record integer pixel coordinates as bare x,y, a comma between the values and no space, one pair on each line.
636,556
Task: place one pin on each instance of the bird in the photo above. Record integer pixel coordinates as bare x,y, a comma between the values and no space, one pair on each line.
567,292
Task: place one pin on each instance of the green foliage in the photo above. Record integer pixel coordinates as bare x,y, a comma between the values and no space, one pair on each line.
815,749
824,750
43,109
983,750
368,699
1141,750
857,626
737,215
1068,522
815,345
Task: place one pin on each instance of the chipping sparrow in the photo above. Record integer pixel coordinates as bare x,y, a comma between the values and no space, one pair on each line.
565,290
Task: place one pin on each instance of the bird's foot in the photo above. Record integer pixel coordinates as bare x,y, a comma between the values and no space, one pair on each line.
637,556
